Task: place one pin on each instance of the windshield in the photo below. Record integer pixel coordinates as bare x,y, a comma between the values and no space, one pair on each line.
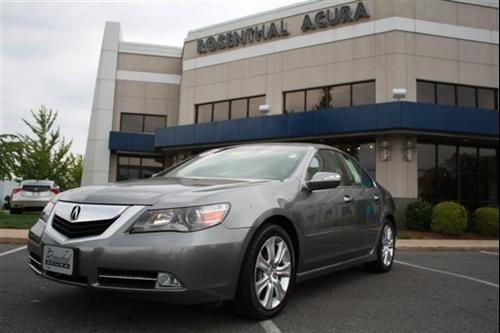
253,162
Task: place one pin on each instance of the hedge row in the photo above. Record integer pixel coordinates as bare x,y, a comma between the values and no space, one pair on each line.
450,218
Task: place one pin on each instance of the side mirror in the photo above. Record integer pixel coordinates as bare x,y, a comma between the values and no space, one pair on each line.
323,180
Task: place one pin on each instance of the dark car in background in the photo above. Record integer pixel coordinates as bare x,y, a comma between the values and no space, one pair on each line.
240,224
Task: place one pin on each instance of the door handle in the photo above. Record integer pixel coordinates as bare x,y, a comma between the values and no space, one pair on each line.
376,197
347,199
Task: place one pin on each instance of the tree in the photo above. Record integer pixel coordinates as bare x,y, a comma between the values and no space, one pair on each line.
74,176
9,149
45,154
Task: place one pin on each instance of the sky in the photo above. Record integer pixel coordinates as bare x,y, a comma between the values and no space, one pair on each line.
50,50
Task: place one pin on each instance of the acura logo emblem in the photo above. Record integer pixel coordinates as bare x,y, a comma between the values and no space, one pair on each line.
75,212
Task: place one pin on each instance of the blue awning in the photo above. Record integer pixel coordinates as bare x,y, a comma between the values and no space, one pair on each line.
383,117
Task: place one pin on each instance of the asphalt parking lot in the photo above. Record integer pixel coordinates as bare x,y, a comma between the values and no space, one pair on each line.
426,291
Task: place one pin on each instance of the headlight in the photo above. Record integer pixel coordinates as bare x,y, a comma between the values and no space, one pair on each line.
181,219
47,210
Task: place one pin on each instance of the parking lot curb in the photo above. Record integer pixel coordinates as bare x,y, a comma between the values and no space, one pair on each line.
14,236
446,245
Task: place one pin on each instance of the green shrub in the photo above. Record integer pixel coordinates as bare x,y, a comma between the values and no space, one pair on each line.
419,215
486,221
449,218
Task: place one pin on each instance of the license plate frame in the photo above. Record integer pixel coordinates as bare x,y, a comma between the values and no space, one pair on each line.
58,259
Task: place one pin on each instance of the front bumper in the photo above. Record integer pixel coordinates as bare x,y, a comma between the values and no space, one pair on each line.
206,262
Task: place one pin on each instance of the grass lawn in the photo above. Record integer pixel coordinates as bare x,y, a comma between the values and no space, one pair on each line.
22,221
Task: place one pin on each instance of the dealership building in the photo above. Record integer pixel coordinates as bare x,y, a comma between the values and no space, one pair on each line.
408,87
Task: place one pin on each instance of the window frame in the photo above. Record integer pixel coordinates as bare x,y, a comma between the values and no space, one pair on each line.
326,90
143,115
478,201
456,85
140,166
247,98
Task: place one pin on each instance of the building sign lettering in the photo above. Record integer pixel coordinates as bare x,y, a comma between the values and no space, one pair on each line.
278,29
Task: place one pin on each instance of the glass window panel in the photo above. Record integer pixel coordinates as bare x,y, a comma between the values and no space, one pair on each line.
447,173
486,98
152,162
134,161
340,96
239,108
427,184
367,157
445,94
153,122
426,171
294,101
426,92
316,99
131,122
488,175
134,173
123,160
363,93
204,113
447,158
468,160
221,111
426,157
466,96
122,173
253,106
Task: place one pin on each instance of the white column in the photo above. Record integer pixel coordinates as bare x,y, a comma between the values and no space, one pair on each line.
97,154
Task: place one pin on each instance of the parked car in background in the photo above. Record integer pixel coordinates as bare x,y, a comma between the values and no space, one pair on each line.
239,223
32,195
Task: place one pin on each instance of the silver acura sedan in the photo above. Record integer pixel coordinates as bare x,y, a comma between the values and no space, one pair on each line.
240,224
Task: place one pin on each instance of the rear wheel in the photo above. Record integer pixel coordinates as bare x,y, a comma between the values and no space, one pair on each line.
385,250
267,274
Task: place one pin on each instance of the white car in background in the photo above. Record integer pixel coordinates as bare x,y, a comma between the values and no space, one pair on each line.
32,195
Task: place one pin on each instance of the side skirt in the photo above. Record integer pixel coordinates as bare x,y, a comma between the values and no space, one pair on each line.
304,276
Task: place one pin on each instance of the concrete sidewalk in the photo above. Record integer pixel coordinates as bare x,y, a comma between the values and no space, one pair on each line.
21,236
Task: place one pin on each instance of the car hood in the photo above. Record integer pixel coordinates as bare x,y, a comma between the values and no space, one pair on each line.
153,190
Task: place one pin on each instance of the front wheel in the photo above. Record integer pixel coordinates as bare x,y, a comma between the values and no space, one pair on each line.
385,250
267,274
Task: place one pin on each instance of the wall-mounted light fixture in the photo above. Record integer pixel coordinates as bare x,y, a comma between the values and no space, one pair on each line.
409,148
264,109
385,150
399,93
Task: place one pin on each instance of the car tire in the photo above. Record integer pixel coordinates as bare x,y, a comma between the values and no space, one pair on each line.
248,302
386,247
15,211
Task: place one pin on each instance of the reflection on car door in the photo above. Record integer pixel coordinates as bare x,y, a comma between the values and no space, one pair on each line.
329,215
368,206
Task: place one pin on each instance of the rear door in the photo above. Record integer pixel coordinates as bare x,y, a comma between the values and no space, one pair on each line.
368,206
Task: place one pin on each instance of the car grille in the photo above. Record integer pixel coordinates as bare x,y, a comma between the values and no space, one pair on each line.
80,229
127,279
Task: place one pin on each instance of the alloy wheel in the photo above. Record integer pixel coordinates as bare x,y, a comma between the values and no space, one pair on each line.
387,245
272,272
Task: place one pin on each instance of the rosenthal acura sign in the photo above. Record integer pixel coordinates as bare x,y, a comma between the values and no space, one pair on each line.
278,29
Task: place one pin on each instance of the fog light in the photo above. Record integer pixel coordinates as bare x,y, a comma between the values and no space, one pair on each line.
167,280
